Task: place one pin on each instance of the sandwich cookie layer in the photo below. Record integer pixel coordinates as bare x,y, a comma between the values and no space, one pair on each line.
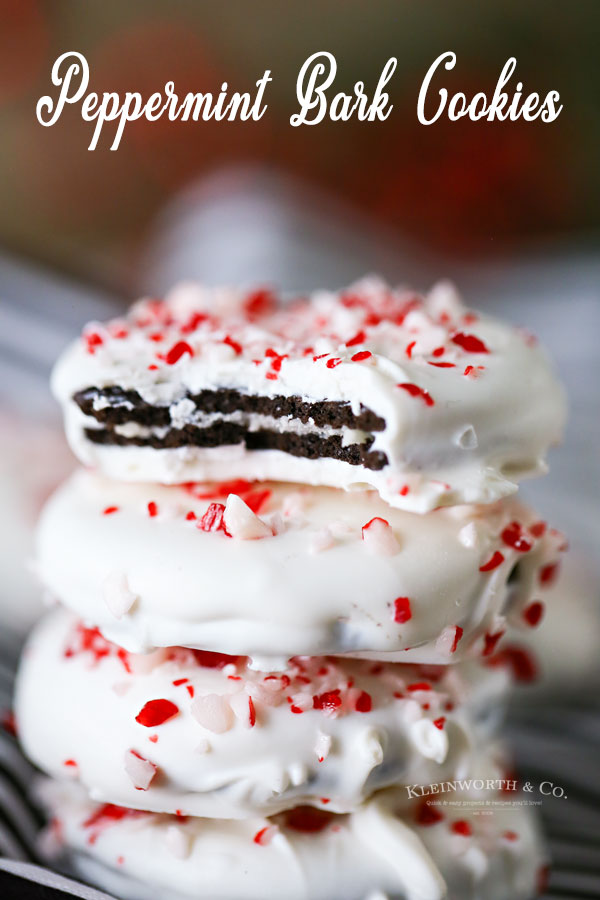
425,401
269,568
202,734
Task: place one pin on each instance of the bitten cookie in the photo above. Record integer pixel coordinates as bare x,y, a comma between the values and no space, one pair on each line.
418,397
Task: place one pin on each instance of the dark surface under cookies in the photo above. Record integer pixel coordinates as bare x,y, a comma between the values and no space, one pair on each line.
125,406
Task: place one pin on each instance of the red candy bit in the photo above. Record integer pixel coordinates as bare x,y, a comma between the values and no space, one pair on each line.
153,367
439,723
404,490
359,338
469,342
442,365
177,351
533,613
461,826
513,537
236,486
156,336
70,763
402,610
332,363
179,681
212,520
259,303
495,560
237,348
419,686
195,320
109,813
329,701
190,689
439,351
490,641
538,529
307,819
547,575
371,521
296,710
251,712
92,340
473,371
361,356
152,509
409,349
109,510
427,814
256,500
364,702
265,835
458,633
156,712
321,356
211,660
190,516
153,738
519,660
415,391
510,835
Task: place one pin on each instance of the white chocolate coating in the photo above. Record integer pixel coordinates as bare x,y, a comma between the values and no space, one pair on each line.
263,746
314,587
379,850
470,405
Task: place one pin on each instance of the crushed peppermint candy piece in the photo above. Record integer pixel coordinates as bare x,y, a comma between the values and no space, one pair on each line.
178,841
379,538
156,712
213,712
322,746
402,611
140,770
117,594
241,522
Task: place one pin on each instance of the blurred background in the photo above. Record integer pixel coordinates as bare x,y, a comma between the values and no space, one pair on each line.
511,212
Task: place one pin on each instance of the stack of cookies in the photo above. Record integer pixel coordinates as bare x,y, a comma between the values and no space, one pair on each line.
285,575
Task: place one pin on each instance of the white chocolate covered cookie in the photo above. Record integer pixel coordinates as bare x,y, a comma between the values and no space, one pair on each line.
203,734
425,401
274,571
389,847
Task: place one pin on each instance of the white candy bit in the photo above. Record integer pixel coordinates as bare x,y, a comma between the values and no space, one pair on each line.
430,741
213,712
298,774
240,704
178,841
446,641
341,529
265,835
140,770
241,522
294,505
203,747
466,438
275,522
379,539
322,746
321,540
370,747
303,701
144,663
469,535
117,594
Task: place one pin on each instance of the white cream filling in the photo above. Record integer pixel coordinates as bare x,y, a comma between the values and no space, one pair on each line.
251,421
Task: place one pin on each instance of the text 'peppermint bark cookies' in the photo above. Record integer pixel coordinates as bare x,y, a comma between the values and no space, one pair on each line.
417,397
273,570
